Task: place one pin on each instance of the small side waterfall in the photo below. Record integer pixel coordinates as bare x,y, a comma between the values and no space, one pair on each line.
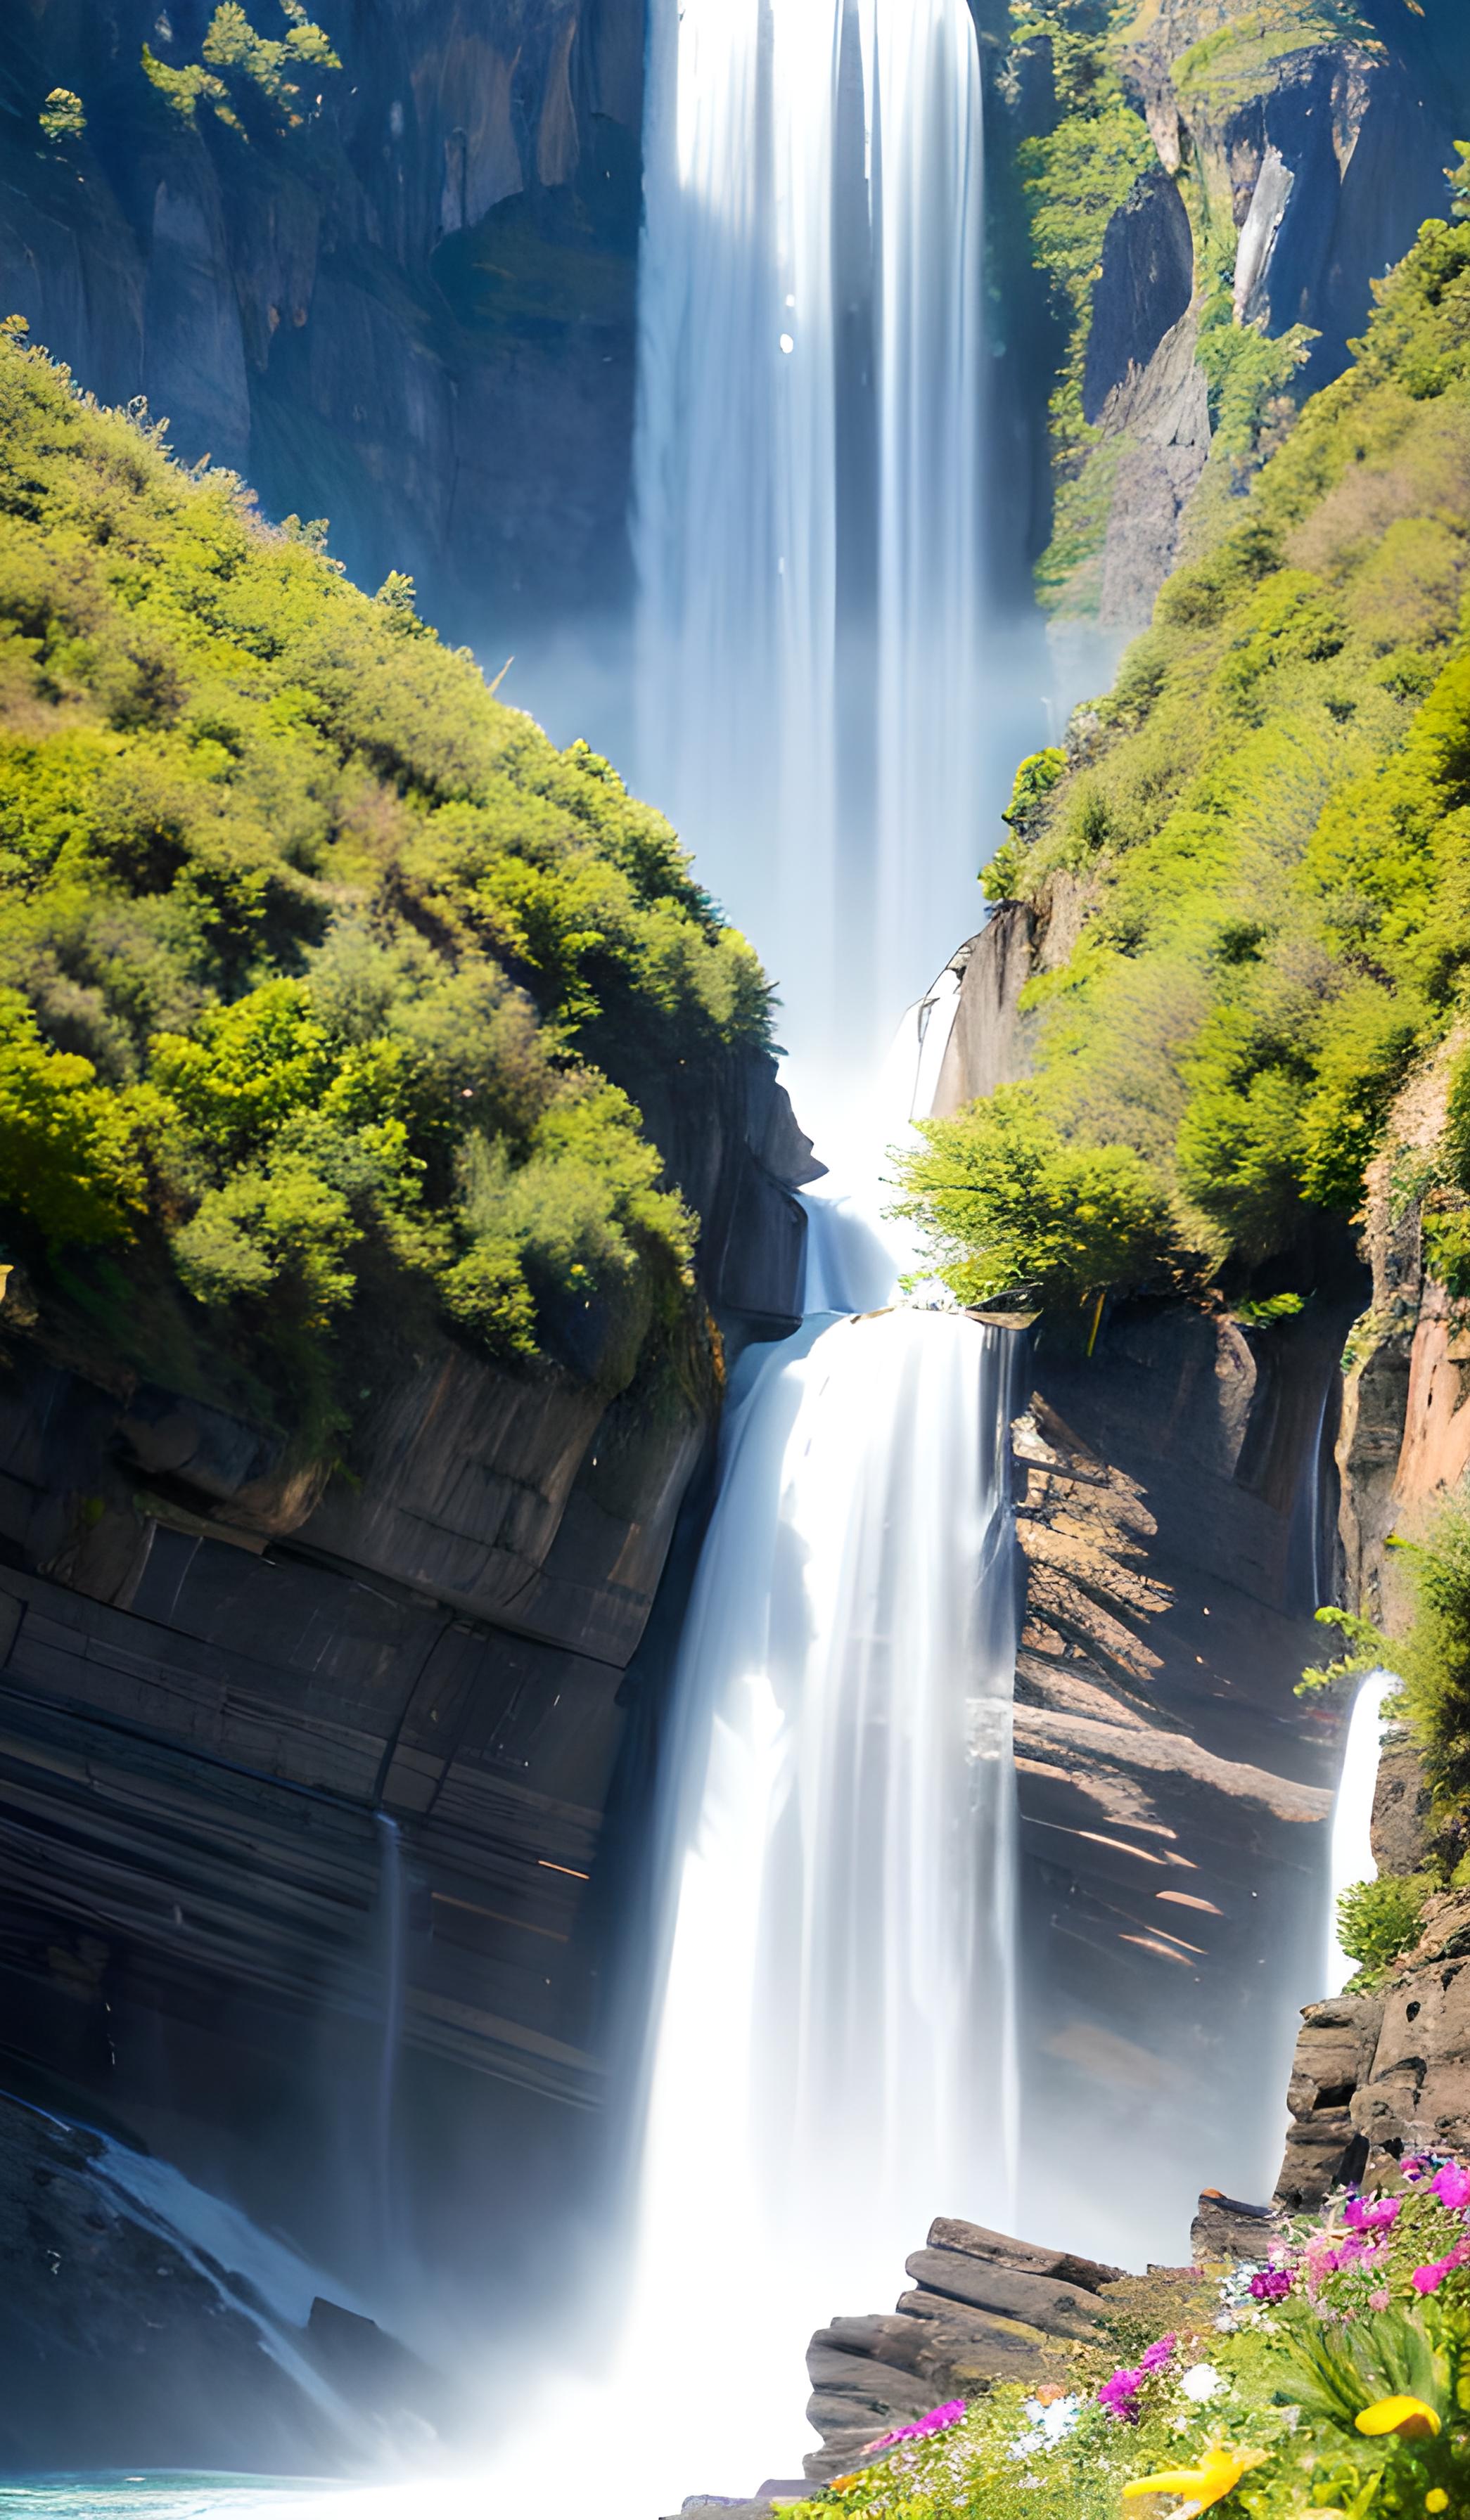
391,1927
806,524
1351,1857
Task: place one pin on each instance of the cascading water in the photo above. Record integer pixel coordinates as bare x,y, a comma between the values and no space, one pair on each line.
1352,1858
391,1927
807,508
836,2051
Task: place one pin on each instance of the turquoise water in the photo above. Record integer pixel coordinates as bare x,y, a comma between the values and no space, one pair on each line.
159,2497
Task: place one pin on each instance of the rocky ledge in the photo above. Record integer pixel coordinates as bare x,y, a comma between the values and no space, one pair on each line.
983,2308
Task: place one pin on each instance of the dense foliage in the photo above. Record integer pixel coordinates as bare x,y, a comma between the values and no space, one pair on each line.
1332,2379
316,963
1379,1920
1268,822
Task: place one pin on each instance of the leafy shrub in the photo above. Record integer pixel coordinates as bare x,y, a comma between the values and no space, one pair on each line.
68,1161
63,116
1377,1921
1003,1200
319,967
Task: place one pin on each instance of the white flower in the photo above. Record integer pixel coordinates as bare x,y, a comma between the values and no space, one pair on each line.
1054,2421
1201,2383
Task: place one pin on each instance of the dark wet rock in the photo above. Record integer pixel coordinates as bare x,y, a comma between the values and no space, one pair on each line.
1143,287
117,2349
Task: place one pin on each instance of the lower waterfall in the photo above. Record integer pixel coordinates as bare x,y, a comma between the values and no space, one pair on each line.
835,2059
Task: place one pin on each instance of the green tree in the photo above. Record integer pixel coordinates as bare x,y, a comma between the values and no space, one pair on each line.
1002,1200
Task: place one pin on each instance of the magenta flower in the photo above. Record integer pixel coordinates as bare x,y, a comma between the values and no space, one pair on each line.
938,2420
1273,2283
1379,2215
1120,2393
1452,2185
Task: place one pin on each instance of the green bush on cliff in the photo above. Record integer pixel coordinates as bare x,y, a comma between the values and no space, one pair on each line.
1073,177
1379,1920
243,67
1002,1200
315,961
1269,820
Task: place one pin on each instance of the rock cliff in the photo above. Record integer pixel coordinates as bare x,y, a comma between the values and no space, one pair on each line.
1292,164
1175,1503
406,303
284,1759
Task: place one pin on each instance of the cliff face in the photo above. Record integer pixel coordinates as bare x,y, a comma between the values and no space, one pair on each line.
411,311
1174,1507
274,1747
1296,156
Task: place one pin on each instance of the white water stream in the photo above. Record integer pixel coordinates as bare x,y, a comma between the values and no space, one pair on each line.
1352,1859
808,462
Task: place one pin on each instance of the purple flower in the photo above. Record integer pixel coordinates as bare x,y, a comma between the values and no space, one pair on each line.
1273,2283
1381,2214
1452,2185
1119,2394
938,2420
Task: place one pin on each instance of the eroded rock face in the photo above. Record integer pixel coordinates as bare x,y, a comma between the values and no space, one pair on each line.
256,1713
413,314
985,2308
1174,1791
1325,158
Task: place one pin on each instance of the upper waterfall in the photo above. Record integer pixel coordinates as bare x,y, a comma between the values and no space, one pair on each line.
807,522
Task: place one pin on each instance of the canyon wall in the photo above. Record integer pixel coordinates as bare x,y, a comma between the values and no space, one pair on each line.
1281,175
402,299
1176,1503
287,1760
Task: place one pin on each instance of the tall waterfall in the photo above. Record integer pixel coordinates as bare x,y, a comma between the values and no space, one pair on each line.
808,512
834,2063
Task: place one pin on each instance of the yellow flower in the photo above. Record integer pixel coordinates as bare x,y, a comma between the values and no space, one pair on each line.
1437,2500
1217,2474
1409,2417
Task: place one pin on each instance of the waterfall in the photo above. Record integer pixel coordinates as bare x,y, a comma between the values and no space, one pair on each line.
391,1927
1351,1857
834,2061
806,515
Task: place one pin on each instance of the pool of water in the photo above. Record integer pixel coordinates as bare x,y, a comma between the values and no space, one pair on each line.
165,2497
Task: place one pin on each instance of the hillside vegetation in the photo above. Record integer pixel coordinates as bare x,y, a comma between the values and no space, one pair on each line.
317,965
1269,822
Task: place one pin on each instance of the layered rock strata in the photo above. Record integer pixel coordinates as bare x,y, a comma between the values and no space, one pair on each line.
285,1758
983,2308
